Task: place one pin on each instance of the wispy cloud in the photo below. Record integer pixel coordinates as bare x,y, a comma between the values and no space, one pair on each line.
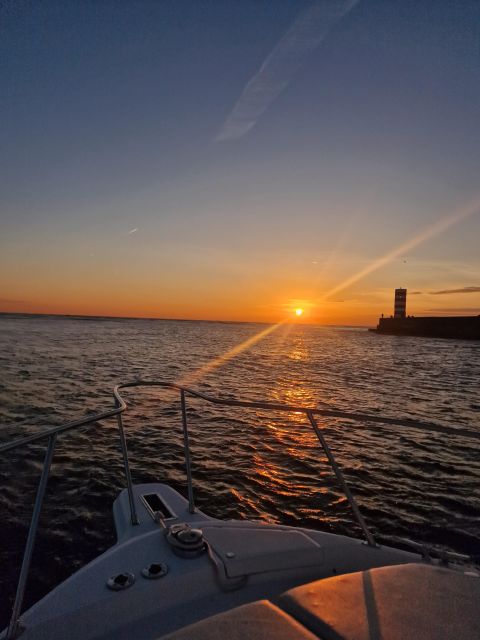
462,290
11,301
467,310
132,231
306,33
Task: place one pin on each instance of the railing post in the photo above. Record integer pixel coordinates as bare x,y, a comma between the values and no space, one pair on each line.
123,442
13,627
341,479
186,447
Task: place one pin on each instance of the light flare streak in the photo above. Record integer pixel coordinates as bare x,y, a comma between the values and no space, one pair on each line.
194,376
437,228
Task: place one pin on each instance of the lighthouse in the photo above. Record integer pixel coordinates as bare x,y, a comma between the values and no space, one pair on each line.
400,306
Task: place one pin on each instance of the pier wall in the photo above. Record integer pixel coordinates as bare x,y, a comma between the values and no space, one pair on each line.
464,327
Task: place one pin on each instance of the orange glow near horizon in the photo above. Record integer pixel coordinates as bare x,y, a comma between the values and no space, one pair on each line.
121,283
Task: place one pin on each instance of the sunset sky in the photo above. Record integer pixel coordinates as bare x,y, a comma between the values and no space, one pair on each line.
236,160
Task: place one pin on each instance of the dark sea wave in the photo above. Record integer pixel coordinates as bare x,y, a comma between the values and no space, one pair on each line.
255,465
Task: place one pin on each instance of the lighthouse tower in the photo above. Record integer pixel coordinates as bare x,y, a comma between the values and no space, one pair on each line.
400,307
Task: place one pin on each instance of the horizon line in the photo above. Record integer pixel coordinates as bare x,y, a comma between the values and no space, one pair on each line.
104,317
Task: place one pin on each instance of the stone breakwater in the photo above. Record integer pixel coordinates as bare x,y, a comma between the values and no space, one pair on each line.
454,327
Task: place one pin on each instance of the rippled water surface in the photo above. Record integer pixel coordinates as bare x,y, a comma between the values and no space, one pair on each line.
245,464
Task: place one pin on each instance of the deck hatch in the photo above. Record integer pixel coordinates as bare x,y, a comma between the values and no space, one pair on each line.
250,550
155,506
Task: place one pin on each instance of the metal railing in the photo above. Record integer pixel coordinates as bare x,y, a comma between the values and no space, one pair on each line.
50,435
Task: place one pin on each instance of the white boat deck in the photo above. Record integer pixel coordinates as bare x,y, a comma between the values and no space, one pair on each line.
253,561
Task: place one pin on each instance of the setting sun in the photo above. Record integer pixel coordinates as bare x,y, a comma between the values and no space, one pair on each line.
298,312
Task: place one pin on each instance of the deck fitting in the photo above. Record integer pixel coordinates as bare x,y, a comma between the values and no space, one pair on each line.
121,581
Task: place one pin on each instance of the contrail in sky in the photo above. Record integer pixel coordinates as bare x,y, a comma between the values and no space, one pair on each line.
438,227
279,67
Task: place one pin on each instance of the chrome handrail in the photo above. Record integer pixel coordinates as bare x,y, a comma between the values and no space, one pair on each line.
120,406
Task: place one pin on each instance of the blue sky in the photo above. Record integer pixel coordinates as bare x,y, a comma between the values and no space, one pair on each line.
112,120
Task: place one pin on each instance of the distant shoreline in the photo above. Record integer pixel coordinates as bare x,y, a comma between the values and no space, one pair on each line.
67,316
70,316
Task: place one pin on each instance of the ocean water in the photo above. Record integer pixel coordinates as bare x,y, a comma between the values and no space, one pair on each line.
246,464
